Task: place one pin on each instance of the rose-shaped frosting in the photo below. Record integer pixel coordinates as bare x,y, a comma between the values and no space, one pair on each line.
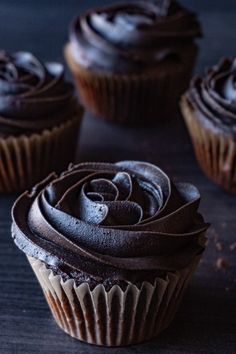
133,36
214,97
33,96
121,221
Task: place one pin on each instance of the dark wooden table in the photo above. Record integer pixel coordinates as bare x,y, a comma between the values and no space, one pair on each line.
206,322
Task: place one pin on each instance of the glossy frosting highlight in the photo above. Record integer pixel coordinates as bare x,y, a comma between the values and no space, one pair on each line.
33,96
100,220
133,36
214,97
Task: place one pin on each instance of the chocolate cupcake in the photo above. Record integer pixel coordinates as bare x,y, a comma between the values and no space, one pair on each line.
132,61
209,109
39,120
113,247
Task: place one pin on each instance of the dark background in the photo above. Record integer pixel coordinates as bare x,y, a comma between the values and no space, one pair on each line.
206,322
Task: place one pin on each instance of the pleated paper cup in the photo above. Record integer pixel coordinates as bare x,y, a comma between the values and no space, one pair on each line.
116,317
25,160
214,150
134,99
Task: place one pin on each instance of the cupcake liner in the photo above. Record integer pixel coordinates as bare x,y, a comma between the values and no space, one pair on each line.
215,152
116,317
129,99
25,160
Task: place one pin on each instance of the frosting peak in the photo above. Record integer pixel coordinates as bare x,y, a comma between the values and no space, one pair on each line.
33,96
132,36
110,220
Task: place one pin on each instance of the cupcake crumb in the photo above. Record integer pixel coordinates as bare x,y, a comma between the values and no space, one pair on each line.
212,234
219,246
224,225
222,263
201,262
232,247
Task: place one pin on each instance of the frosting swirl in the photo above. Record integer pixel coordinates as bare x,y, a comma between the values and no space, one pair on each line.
133,36
214,96
121,221
33,96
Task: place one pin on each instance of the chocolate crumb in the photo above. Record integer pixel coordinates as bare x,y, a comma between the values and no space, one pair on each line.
232,247
219,246
224,224
226,289
222,263
212,234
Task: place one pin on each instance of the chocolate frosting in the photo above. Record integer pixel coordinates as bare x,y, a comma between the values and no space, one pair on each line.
118,221
214,97
133,36
33,96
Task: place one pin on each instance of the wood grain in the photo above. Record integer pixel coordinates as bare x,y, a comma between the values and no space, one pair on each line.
206,322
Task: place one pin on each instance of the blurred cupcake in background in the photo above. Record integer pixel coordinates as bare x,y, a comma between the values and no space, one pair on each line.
39,120
113,247
132,61
209,109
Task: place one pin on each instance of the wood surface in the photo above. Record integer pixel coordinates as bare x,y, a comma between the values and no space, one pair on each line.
206,321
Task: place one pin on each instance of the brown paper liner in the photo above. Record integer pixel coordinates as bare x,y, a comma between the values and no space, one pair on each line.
115,317
25,160
134,99
215,152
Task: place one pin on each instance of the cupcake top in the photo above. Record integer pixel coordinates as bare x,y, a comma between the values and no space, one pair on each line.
213,97
133,36
100,222
33,96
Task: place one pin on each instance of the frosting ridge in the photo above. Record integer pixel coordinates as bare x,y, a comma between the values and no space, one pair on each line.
214,96
132,37
33,96
118,220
